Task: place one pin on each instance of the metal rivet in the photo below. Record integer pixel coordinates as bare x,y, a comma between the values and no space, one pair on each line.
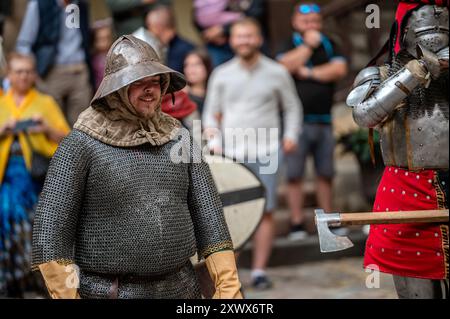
392,190
436,235
399,252
438,254
415,195
384,188
403,193
418,253
385,230
420,129
406,174
399,232
382,250
428,197
417,234
418,177
396,171
430,181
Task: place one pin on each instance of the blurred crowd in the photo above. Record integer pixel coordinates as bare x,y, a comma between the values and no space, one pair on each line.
50,72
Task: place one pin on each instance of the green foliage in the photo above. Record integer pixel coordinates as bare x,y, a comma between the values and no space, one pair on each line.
358,143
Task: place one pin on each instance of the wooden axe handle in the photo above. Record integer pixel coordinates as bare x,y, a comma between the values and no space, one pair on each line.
419,216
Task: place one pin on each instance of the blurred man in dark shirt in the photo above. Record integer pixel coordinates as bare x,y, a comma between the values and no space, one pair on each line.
316,65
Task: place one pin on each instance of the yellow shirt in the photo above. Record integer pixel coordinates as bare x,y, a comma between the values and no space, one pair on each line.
33,104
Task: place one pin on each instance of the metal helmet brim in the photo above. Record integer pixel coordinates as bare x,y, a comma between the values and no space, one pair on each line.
130,60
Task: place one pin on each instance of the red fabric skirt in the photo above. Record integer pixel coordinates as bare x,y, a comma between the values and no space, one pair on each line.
410,250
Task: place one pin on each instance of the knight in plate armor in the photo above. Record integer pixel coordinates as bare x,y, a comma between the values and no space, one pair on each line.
406,101
119,216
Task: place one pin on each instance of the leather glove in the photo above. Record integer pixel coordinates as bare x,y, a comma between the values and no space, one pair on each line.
222,269
61,284
419,70
432,61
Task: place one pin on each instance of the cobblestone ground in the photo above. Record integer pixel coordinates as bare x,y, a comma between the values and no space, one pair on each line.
334,279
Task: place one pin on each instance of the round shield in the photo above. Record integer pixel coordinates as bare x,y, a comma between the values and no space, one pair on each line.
243,200
242,195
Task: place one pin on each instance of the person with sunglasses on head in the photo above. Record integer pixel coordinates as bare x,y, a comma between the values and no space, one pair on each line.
316,65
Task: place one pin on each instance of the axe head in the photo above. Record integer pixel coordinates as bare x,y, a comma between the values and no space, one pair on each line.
330,242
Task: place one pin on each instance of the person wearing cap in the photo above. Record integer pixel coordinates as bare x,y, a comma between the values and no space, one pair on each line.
121,214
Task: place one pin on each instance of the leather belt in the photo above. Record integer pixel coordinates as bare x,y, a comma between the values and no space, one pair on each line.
116,279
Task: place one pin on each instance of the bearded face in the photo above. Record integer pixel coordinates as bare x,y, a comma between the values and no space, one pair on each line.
145,95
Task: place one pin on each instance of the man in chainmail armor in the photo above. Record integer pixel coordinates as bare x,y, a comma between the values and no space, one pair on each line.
406,100
118,208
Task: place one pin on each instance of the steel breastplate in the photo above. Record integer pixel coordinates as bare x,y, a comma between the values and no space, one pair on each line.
416,135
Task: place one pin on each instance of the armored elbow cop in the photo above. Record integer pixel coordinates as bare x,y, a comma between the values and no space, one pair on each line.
373,100
407,101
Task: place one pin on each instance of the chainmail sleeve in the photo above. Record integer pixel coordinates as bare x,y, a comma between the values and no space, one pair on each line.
211,230
60,204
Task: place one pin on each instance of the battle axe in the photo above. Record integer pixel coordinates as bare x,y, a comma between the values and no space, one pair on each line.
330,242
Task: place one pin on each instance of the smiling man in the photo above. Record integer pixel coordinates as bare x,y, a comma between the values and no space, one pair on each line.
117,207
145,94
244,100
